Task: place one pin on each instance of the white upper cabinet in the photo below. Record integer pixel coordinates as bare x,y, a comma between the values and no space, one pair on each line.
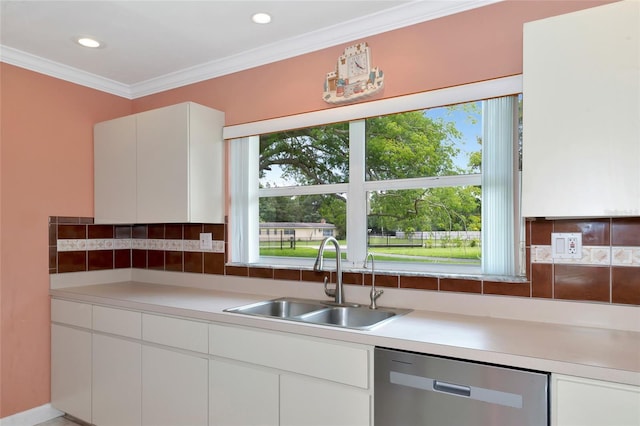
160,166
581,117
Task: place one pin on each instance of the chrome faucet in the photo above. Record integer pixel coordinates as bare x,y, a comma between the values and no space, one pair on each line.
336,292
374,294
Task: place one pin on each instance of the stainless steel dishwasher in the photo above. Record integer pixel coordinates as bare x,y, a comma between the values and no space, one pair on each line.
415,389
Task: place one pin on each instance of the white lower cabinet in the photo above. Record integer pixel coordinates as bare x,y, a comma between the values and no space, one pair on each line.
261,377
305,401
122,367
174,388
578,401
242,395
117,388
71,371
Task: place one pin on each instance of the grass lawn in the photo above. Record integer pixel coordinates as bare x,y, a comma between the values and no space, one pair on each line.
406,254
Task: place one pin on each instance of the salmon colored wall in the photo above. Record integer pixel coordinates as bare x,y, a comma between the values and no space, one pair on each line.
46,168
46,146
477,45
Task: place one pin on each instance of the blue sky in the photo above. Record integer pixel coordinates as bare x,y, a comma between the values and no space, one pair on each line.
468,123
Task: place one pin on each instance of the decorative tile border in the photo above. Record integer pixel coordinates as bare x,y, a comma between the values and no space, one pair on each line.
625,256
137,244
591,255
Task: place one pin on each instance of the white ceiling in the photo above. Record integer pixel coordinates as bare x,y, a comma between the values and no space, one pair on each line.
151,46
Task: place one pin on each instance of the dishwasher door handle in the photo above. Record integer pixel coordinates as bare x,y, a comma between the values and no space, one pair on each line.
474,392
451,388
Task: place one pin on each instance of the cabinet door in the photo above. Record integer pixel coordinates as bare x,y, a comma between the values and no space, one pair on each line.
585,402
174,388
581,103
116,381
306,401
114,164
206,165
163,165
242,395
71,371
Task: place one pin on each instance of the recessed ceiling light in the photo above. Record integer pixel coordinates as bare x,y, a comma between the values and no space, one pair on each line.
88,42
261,18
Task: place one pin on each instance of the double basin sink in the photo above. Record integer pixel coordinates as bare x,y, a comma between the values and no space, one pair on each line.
322,313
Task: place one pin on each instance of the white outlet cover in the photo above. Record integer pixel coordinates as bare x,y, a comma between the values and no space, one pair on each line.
566,245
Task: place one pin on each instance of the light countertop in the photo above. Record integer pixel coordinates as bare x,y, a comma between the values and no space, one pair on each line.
596,353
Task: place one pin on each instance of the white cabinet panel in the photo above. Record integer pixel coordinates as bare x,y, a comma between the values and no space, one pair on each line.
174,388
71,371
306,401
160,166
242,395
114,168
176,332
117,321
71,313
585,402
117,386
325,359
581,109
163,164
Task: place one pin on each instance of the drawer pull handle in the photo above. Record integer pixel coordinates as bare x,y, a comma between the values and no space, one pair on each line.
451,388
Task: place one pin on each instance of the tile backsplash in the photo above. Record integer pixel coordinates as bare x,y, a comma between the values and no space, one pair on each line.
76,244
608,272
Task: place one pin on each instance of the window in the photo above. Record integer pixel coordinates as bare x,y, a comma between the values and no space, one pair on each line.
430,189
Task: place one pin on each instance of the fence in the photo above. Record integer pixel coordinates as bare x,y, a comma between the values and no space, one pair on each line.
426,239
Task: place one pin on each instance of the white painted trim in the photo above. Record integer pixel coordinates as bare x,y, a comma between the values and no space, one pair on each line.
32,417
63,72
434,98
411,13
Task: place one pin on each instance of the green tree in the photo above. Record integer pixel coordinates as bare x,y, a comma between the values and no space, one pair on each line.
398,146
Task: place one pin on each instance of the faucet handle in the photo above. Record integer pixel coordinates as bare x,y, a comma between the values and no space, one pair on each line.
373,295
376,293
331,292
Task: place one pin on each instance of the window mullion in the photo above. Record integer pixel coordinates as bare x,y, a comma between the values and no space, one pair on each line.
424,182
289,191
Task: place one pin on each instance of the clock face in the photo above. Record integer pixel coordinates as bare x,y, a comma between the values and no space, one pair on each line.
357,65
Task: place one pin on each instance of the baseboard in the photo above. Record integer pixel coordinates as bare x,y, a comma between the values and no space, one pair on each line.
32,417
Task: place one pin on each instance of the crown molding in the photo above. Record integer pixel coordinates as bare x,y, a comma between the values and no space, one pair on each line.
411,13
44,66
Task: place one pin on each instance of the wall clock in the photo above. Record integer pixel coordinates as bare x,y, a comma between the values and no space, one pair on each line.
353,78
358,65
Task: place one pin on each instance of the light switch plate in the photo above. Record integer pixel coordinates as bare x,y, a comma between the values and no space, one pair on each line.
566,245
206,242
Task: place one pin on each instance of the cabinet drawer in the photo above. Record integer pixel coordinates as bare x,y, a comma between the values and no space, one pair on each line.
71,313
343,363
117,321
176,332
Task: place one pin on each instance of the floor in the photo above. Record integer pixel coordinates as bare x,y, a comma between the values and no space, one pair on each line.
61,421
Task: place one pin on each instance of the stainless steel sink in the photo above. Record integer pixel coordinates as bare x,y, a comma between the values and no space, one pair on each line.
350,317
322,313
282,308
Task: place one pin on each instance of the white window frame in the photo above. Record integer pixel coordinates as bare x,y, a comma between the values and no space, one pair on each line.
244,176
